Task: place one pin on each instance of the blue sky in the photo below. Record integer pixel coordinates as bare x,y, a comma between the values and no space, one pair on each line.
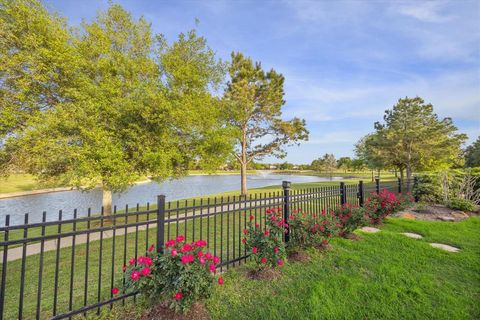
344,62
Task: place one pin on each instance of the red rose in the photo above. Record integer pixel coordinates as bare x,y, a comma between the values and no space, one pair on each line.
220,281
275,249
254,249
325,221
251,217
173,253
322,228
180,238
132,261
178,296
186,247
201,260
212,268
257,225
267,232
208,256
145,271
201,243
216,260
280,262
187,259
170,243
115,290
245,231
244,240
263,260
135,275
152,247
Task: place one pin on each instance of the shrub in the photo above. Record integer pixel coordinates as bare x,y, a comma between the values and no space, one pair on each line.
406,200
379,206
428,188
350,217
182,275
461,204
267,246
309,230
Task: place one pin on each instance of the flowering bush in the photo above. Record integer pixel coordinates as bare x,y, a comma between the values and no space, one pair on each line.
406,201
379,206
182,275
308,230
350,217
267,246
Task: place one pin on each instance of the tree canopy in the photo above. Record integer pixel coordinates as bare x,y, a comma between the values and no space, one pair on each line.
131,105
412,137
472,154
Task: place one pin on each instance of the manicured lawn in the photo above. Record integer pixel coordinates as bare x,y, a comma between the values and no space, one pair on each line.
18,183
384,276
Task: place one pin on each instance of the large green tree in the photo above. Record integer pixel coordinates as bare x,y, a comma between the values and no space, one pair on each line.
412,137
253,103
136,107
472,154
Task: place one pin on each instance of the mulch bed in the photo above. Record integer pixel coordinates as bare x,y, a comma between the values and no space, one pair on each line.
298,256
163,312
328,247
264,274
435,212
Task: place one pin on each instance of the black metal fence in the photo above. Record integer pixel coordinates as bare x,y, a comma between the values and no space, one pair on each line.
67,268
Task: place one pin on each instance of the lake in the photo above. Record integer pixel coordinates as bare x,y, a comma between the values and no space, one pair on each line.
186,187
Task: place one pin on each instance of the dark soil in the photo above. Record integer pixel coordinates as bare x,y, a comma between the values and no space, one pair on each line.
163,312
298,256
324,248
352,236
265,274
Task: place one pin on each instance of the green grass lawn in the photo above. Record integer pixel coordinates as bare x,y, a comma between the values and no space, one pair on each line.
384,276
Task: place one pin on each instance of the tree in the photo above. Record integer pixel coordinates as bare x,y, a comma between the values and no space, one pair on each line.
412,137
138,107
329,163
344,163
317,165
472,154
37,63
253,108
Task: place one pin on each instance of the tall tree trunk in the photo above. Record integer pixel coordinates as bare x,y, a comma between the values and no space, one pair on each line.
409,175
107,201
402,173
243,175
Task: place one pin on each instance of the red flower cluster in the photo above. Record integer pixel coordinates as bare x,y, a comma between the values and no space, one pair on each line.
379,206
350,217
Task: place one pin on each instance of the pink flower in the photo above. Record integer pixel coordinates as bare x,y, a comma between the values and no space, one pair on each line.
325,221
244,240
152,247
115,290
132,261
201,260
186,247
322,228
135,275
251,217
173,253
216,260
201,243
208,256
199,253
245,231
263,260
170,243
187,259
145,271
212,268
280,262
267,232
180,238
257,225
275,249
220,281
178,296
254,249
324,211
273,218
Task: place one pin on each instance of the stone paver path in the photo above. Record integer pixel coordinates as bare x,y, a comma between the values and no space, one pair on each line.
445,247
370,229
412,235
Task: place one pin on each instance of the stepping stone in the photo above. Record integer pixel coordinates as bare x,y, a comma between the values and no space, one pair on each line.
412,235
451,219
370,229
444,247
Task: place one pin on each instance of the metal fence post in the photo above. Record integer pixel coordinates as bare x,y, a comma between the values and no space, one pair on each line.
160,222
286,207
415,186
399,185
360,193
377,185
343,194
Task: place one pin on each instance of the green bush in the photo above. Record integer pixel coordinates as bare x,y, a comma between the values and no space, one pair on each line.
182,275
267,246
310,230
427,188
350,218
461,204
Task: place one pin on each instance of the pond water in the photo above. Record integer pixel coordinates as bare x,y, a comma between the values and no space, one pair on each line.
186,187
